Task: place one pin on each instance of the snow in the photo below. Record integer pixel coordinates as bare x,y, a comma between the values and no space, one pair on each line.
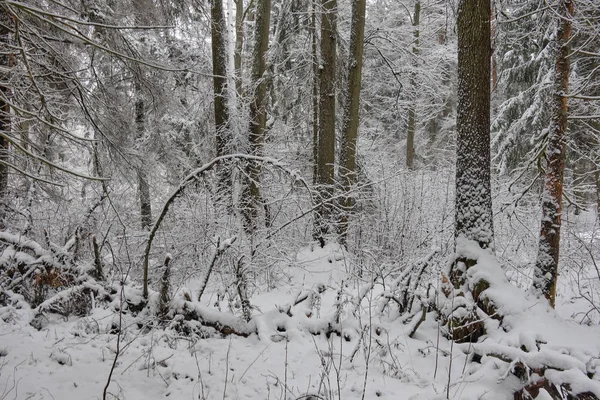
70,358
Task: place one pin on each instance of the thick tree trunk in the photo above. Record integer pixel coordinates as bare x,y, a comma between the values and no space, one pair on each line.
473,216
221,109
473,191
546,266
412,123
351,119
326,140
258,116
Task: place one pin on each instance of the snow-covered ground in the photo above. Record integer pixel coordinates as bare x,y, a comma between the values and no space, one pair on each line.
72,359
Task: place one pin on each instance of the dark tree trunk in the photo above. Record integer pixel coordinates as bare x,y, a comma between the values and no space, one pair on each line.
252,197
221,109
315,91
351,119
4,117
473,215
326,139
412,118
473,192
142,176
546,266
239,44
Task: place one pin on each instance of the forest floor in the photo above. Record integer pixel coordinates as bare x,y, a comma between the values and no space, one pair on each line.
71,359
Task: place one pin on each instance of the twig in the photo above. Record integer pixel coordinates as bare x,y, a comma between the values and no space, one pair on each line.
226,369
114,364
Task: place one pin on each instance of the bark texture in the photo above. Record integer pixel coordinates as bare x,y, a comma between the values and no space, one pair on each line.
239,44
473,215
326,139
473,192
546,266
221,110
252,197
351,118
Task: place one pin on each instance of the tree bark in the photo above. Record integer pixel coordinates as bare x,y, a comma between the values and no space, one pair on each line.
351,118
473,215
546,266
221,109
473,191
412,123
326,139
142,176
239,44
258,117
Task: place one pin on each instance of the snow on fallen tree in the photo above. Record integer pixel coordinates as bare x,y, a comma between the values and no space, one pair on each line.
271,325
22,249
78,299
33,270
521,332
47,276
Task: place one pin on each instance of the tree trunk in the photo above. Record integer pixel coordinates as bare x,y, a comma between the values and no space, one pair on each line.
546,266
221,110
473,216
493,26
473,191
142,176
140,132
347,168
258,116
410,136
315,91
597,182
326,140
4,118
239,44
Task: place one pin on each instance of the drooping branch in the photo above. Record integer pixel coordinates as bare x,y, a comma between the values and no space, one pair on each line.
194,176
